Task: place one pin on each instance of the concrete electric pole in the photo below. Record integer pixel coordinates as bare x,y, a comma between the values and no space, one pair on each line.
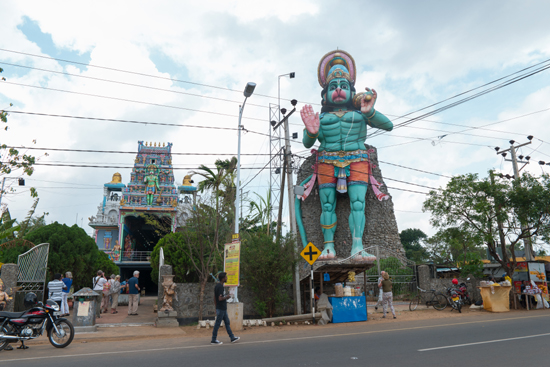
527,241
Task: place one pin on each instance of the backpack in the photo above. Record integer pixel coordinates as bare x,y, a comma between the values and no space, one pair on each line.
107,287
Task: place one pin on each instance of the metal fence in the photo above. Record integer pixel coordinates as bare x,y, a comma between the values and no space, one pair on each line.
33,265
402,272
137,256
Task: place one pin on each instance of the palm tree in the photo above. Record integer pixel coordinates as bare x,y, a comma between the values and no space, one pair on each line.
223,178
261,211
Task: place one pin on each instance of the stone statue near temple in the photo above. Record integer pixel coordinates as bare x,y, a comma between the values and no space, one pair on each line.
152,182
342,161
169,292
4,297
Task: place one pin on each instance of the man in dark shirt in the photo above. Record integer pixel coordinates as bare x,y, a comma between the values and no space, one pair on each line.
221,311
133,294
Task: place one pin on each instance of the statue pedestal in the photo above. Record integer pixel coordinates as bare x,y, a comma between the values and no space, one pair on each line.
167,319
235,314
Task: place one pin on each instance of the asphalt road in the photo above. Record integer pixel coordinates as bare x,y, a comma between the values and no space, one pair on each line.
488,340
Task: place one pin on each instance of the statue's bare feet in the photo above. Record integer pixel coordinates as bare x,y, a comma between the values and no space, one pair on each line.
328,253
357,254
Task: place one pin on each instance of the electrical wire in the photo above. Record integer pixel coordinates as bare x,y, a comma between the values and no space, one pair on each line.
131,101
129,152
131,84
136,73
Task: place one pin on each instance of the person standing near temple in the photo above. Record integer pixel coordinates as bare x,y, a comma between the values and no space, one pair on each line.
55,289
133,294
97,286
115,292
221,311
68,281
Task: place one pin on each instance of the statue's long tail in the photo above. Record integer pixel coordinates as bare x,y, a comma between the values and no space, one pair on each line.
298,209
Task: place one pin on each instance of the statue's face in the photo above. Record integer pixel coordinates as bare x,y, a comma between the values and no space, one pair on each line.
338,92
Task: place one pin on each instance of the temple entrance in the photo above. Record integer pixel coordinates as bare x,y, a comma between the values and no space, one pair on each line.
140,235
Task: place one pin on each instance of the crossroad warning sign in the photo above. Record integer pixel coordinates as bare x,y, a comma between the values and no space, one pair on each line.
310,253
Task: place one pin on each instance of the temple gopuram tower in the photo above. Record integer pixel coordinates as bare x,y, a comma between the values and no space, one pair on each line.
129,218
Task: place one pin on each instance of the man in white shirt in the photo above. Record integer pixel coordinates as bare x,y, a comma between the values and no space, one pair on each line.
379,290
98,283
55,289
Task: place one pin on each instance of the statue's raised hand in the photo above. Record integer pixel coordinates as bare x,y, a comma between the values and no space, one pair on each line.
367,106
310,119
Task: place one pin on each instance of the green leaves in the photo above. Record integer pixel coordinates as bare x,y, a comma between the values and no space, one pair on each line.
492,211
266,267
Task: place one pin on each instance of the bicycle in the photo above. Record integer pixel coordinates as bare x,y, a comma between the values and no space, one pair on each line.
438,300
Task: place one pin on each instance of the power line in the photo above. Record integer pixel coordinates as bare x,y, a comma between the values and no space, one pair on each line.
464,100
125,152
129,84
132,101
135,73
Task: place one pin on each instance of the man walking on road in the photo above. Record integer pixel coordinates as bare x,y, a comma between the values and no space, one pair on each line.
221,311
133,294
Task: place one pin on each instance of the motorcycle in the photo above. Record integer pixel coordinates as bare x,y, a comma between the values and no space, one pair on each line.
30,324
454,298
463,291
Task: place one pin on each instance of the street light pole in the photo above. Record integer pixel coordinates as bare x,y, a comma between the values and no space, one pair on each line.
248,90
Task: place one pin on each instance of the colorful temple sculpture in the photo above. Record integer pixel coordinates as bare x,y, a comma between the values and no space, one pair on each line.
123,224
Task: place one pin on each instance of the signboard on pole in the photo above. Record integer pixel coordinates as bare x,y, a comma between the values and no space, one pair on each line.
310,253
231,263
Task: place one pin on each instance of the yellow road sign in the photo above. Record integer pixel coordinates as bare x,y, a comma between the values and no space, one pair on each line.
310,253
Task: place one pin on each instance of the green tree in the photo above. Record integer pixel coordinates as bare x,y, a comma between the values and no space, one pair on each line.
493,211
411,239
71,249
266,267
200,246
11,160
222,185
182,266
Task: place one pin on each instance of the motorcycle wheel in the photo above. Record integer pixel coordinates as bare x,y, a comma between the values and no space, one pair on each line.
4,342
454,305
439,302
414,303
459,307
67,333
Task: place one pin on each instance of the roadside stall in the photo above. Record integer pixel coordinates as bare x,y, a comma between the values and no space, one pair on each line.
530,283
496,296
349,304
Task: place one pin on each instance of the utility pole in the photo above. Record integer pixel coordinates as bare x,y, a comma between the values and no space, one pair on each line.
292,214
527,241
499,223
281,197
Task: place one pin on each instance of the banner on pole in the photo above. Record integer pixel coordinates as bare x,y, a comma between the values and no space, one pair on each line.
231,263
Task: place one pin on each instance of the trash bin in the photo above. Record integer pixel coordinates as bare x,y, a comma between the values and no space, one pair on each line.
84,310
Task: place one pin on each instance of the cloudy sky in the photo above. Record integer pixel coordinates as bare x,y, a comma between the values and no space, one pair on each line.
186,63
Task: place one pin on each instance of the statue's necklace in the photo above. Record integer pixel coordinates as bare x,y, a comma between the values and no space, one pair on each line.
339,113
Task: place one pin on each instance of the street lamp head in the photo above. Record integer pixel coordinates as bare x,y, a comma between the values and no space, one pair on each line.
249,89
497,149
530,137
292,75
504,154
542,163
283,111
273,123
527,158
512,142
294,102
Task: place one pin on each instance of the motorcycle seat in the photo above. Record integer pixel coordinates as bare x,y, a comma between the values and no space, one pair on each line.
12,315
